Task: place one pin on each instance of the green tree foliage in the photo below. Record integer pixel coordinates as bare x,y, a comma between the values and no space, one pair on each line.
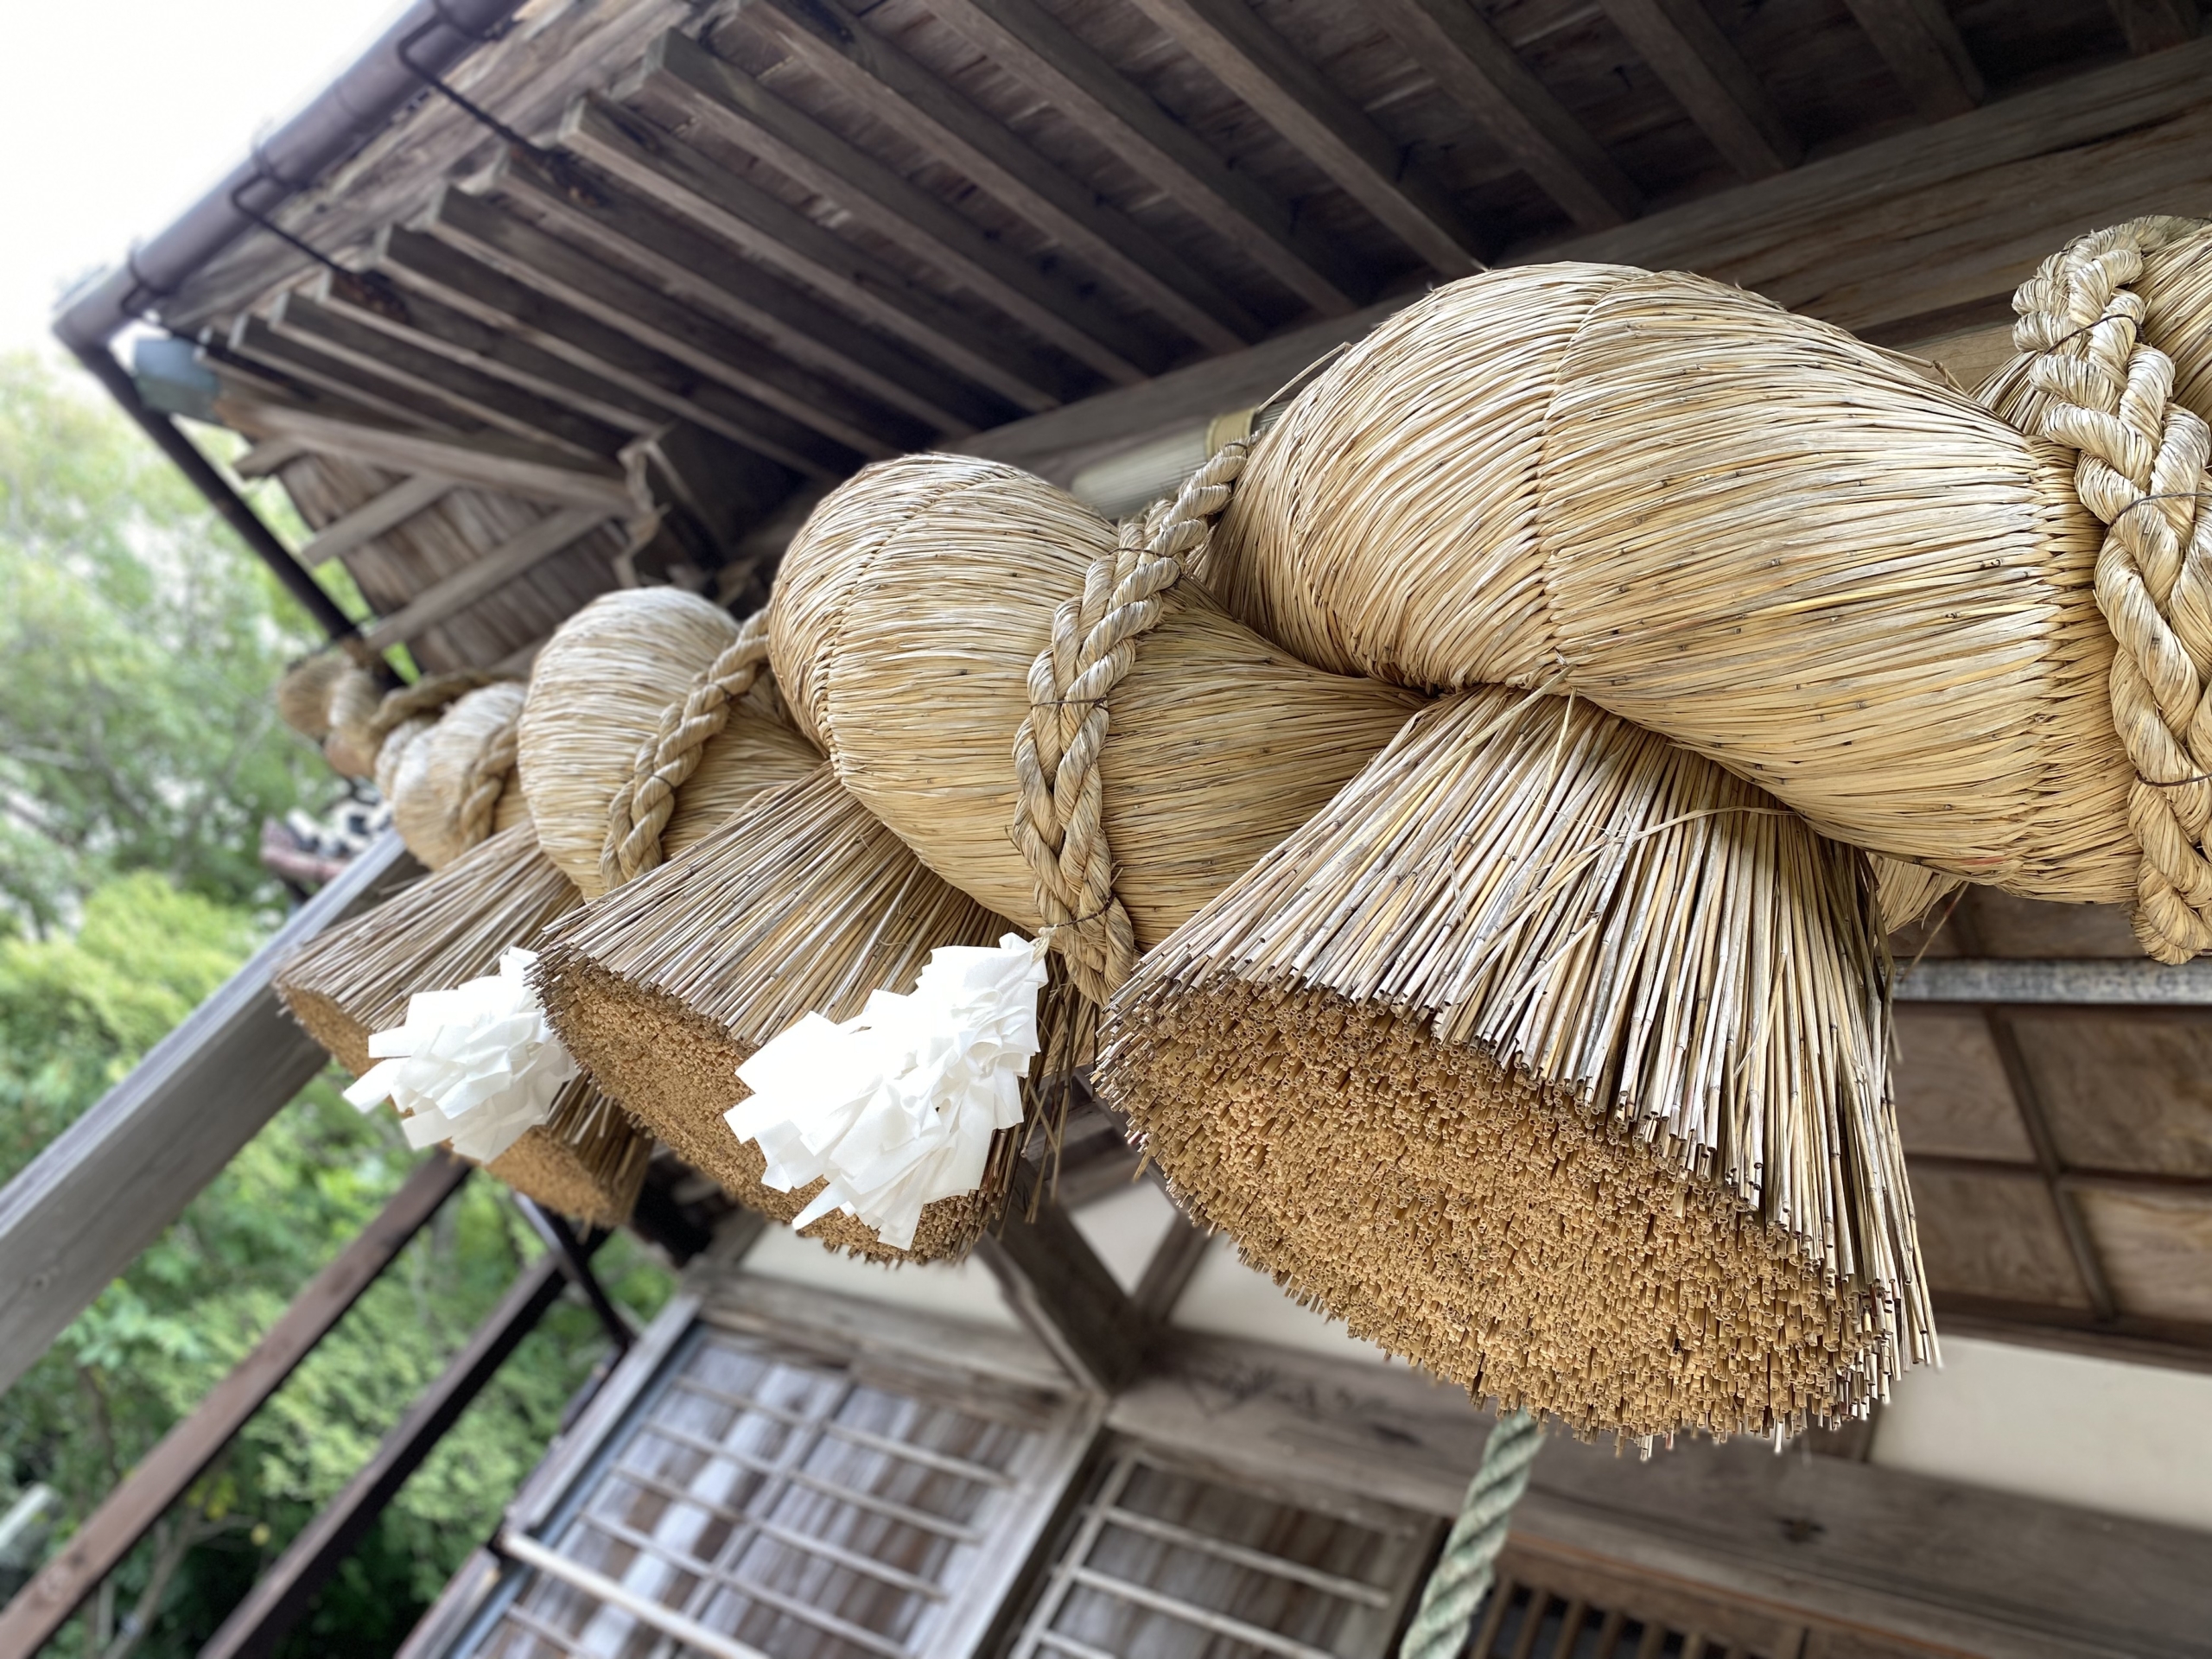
140,642
137,647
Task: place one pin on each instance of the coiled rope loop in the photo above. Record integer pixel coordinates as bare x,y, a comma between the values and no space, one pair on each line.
642,806
1058,823
2110,396
1464,1571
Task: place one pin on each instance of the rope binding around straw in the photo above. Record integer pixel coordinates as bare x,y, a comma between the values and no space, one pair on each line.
2110,396
642,807
1059,822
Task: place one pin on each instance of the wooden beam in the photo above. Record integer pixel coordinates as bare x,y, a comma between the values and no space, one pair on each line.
1032,45
258,1625
2154,25
78,1214
493,463
269,456
254,341
663,169
1240,50
426,264
1059,1287
437,326
2130,1339
698,269
2103,982
1709,78
528,255
723,99
485,398
379,513
162,1475
1455,45
503,564
1924,49
833,43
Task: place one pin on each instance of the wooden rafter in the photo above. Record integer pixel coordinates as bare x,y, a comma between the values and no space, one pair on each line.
484,397
516,557
1036,49
379,513
834,44
1923,48
424,263
1294,96
1455,45
663,169
725,100
696,268
254,343
844,425
1711,81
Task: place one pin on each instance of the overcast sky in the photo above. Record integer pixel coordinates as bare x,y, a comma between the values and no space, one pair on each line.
115,117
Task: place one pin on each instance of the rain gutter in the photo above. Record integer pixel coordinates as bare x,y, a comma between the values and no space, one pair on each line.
340,120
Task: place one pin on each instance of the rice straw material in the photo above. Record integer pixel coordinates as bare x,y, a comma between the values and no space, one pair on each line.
908,613
1781,548
598,691
456,785
588,1160
1554,1058
800,903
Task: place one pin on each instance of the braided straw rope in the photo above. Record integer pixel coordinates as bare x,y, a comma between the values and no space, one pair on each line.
1464,1572
642,806
1058,823
2110,396
486,780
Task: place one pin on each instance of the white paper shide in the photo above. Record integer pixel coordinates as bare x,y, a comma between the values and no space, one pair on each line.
897,1106
475,1065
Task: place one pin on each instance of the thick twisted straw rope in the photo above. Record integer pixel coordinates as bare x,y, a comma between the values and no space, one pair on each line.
425,697
1464,1571
2142,471
641,808
1058,823
489,768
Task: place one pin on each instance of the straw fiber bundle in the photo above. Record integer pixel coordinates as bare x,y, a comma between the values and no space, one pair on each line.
1746,531
456,785
800,903
606,684
587,1161
907,615
1553,1057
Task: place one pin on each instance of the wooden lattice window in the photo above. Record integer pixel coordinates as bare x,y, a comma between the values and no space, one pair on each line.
767,1497
1161,1560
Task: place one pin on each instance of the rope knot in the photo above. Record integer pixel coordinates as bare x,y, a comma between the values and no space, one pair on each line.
1058,821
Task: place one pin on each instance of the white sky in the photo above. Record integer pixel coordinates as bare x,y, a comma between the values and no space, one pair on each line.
116,116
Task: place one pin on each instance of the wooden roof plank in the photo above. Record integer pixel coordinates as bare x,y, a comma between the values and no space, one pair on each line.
455,276
727,100
1711,81
664,169
485,397
513,558
1925,52
379,513
834,44
606,215
1457,46
437,326
1294,96
1034,47
253,341
528,254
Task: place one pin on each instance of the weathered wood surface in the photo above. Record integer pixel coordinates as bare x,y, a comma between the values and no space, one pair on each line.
1291,95
499,566
379,513
1710,79
1987,1571
1925,52
103,1190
